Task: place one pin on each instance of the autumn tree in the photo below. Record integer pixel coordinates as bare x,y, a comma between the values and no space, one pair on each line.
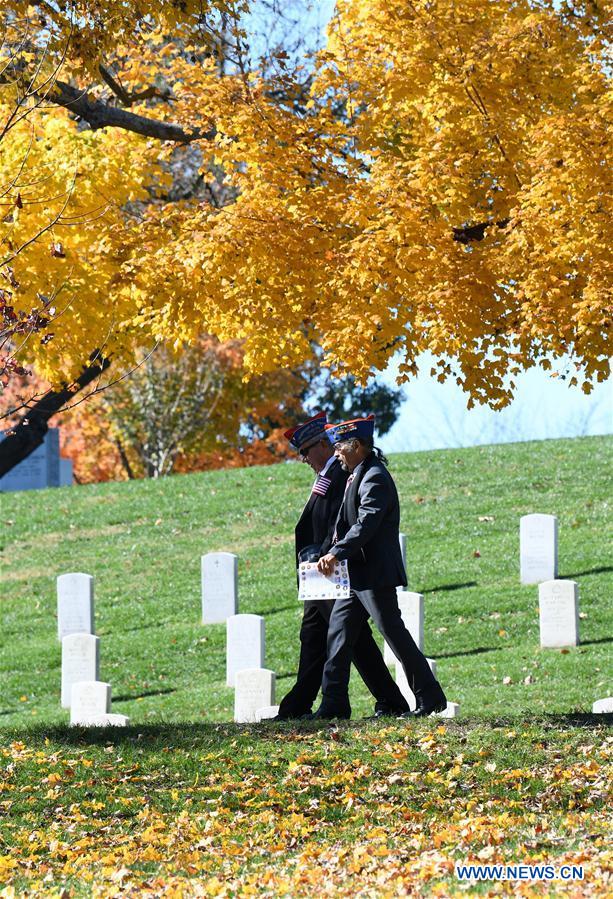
191,403
476,210
189,409
192,409
437,182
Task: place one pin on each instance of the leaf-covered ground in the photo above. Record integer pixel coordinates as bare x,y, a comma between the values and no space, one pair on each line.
275,810
184,803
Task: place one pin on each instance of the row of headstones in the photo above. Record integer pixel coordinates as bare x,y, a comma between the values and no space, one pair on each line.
87,697
254,685
538,538
558,599
558,603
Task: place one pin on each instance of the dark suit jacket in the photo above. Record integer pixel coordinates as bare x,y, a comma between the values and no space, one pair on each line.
316,524
368,529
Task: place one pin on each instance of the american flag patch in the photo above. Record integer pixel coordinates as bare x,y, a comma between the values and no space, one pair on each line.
321,485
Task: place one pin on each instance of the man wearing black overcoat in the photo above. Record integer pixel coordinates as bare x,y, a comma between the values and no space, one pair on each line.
367,535
313,536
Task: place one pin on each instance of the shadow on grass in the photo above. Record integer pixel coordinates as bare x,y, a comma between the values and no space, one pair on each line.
127,697
107,632
199,736
604,569
290,608
447,587
467,652
596,642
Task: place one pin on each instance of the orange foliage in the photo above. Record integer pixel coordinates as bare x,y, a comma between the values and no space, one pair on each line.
245,428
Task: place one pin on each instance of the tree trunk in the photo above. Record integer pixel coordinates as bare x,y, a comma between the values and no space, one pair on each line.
28,435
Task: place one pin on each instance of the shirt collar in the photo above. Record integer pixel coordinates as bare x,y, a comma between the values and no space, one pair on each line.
359,467
330,461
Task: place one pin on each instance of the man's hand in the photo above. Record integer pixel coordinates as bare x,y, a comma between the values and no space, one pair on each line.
326,563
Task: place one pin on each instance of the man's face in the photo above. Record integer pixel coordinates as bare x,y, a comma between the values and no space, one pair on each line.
348,454
317,455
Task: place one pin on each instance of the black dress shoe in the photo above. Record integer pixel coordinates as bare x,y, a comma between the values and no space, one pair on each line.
325,715
385,713
435,701
305,717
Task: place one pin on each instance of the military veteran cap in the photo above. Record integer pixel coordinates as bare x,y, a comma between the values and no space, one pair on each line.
358,427
308,433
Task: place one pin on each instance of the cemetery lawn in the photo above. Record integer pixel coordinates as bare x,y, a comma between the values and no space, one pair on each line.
184,803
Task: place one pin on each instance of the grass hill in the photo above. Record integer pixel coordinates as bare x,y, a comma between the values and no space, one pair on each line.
143,540
181,805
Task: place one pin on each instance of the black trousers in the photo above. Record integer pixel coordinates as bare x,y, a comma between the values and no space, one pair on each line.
347,622
365,655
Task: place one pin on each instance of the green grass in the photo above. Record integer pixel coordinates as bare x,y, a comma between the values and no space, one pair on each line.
184,803
142,541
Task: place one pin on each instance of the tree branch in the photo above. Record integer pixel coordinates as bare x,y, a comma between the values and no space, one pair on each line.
468,233
99,114
129,98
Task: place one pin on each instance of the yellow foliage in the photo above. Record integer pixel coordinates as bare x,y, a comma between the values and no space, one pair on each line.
444,189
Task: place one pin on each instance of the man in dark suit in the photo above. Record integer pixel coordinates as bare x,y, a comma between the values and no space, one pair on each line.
313,535
367,536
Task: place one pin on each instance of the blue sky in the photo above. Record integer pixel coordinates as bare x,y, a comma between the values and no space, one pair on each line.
435,416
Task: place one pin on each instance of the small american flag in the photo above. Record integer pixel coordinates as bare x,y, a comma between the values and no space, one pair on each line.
321,485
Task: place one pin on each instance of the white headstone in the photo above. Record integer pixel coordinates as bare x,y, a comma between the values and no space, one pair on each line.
603,706
110,720
559,613
80,662
245,644
452,711
538,548
65,472
254,688
89,699
403,684
75,604
40,469
412,612
219,587
267,712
